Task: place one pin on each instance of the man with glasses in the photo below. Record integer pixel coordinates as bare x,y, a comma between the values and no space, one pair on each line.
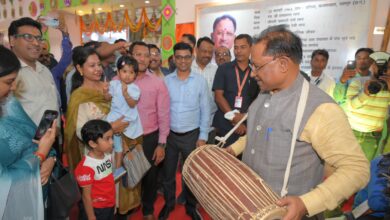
190,123
222,55
36,89
323,135
155,62
234,89
153,108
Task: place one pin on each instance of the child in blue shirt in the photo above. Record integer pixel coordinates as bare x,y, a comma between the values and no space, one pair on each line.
125,95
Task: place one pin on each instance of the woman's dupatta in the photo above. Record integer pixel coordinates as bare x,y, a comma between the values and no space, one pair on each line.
72,143
21,190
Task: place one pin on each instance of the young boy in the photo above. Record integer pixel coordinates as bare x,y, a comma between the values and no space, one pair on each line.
94,172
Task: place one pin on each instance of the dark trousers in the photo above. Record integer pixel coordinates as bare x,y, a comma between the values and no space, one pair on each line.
210,140
100,213
184,144
149,181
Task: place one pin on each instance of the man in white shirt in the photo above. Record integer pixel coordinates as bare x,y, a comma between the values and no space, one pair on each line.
319,60
202,64
36,90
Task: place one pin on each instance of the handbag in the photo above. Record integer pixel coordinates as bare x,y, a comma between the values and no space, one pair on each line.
136,165
64,192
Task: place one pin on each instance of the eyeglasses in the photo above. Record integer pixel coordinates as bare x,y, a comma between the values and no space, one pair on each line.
185,58
222,54
147,55
256,68
30,37
155,54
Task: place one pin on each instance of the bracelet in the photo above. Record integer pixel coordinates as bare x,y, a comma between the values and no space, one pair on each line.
40,156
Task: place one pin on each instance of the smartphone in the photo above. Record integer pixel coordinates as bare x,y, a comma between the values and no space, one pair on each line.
351,64
50,22
119,172
46,122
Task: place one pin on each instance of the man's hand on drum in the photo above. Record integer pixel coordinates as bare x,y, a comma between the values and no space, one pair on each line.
159,155
296,209
200,143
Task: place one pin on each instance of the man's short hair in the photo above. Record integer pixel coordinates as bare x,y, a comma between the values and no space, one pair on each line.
190,37
182,46
119,40
153,46
321,52
247,37
93,44
364,49
25,21
93,130
205,39
223,17
137,43
281,42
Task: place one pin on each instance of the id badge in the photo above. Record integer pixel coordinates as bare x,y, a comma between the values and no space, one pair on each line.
238,102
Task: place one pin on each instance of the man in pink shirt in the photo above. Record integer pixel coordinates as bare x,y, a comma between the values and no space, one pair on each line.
153,107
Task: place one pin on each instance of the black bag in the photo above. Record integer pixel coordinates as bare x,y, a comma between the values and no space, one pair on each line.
64,192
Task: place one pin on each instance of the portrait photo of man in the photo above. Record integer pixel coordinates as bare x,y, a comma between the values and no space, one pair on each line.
224,31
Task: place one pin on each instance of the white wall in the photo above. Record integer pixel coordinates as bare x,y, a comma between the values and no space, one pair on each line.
185,13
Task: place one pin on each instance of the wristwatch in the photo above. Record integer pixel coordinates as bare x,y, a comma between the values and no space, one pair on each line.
163,145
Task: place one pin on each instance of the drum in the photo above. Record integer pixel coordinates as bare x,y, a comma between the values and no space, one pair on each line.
227,188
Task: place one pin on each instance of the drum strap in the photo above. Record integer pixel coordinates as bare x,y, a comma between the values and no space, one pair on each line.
298,119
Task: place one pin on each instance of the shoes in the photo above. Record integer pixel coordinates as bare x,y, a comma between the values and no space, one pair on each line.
181,200
164,213
195,215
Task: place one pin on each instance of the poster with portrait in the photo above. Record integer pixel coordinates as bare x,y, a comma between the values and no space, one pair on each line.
341,27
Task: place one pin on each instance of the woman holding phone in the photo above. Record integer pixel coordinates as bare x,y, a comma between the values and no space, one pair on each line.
20,157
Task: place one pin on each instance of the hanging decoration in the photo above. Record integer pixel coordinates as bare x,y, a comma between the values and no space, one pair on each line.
33,8
67,3
168,29
107,22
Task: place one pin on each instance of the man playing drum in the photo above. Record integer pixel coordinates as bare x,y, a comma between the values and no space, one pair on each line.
324,134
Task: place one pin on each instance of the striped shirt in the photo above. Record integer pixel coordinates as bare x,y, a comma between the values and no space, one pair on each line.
366,113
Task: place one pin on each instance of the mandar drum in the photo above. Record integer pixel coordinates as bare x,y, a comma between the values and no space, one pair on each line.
227,188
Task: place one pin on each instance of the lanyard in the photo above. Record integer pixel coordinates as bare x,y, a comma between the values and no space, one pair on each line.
241,85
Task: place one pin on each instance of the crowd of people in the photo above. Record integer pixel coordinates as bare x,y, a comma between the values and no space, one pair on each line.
113,97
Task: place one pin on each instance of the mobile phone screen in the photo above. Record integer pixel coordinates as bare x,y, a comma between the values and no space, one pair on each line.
119,172
46,122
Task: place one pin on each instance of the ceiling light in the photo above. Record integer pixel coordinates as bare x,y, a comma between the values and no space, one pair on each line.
99,9
147,2
80,11
122,6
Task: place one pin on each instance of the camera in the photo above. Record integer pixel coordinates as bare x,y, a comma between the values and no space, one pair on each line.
378,84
